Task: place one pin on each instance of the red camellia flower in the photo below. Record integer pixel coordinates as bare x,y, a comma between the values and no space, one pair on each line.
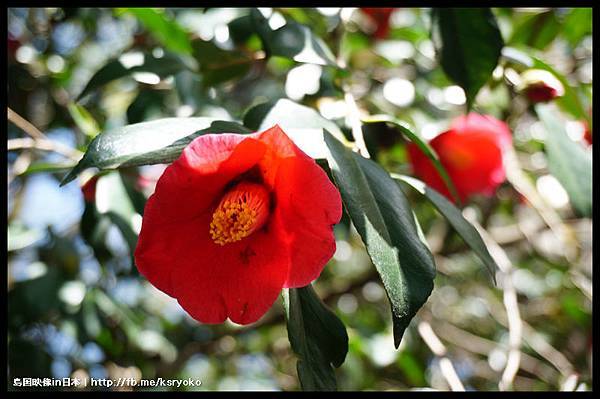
235,219
472,153
381,18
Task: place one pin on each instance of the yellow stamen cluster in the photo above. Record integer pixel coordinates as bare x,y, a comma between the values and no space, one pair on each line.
243,210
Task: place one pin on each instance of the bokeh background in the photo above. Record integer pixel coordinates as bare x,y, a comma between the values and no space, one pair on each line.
78,307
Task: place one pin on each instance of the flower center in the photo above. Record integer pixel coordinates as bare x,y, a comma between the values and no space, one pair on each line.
242,210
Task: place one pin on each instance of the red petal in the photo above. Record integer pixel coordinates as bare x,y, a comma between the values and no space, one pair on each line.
308,205
240,280
198,176
183,193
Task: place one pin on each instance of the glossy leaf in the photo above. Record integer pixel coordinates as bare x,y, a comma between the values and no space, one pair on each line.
577,24
40,167
317,336
568,161
468,45
385,222
84,120
218,65
302,124
147,143
454,216
423,146
537,30
132,63
166,30
292,40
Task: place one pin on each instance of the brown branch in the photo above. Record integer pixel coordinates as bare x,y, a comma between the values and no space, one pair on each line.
24,125
45,145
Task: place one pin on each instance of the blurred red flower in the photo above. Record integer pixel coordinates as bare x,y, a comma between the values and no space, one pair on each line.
472,153
381,18
235,219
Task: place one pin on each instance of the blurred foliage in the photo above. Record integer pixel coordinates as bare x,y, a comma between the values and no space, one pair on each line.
78,307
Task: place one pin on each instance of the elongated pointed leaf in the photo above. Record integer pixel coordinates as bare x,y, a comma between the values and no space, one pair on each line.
132,63
293,40
147,143
317,336
218,65
567,161
163,28
84,120
385,222
456,220
468,44
423,146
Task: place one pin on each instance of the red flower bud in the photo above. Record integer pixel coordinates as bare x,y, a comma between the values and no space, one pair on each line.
472,153
540,86
235,219
381,17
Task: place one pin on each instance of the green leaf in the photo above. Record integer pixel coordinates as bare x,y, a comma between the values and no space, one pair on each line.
164,29
317,336
302,124
293,40
241,29
147,103
454,216
84,120
40,167
385,222
423,146
568,161
147,143
537,30
468,44
132,63
577,24
218,65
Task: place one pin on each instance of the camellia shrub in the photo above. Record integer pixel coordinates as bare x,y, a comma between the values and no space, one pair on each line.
300,198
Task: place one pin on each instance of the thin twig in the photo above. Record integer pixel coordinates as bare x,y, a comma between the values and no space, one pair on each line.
437,347
24,125
20,165
515,324
476,344
45,145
